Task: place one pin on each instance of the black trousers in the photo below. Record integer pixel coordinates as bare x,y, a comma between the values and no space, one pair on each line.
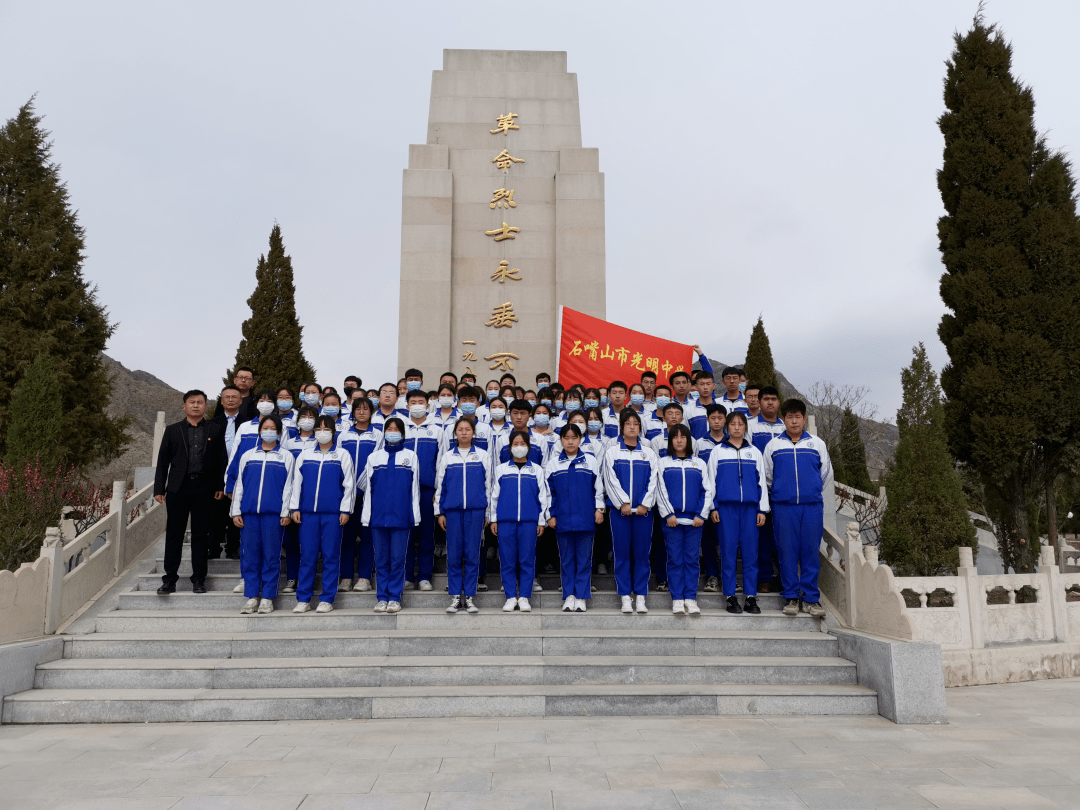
224,536
195,499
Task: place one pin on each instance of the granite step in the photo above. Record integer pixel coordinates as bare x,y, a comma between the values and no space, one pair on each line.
487,621
191,705
358,643
320,673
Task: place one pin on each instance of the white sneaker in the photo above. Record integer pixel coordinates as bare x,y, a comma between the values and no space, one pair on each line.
425,585
640,606
345,585
568,603
266,606
536,585
510,605
408,586
290,586
324,607
380,607
393,607
301,607
627,605
362,585
523,604
677,607
692,608
239,588
251,606
579,605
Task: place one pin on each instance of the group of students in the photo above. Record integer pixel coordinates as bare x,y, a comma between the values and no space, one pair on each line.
661,477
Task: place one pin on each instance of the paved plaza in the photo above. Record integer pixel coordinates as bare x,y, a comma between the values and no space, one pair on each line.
1015,745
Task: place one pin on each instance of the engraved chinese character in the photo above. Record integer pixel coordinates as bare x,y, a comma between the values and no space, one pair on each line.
574,352
504,159
623,354
503,199
469,370
607,353
505,232
468,357
502,361
504,272
503,315
505,123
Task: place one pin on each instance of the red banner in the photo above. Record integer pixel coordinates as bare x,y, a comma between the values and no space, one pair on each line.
594,352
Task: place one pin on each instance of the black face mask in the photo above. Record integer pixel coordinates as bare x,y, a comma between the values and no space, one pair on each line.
348,393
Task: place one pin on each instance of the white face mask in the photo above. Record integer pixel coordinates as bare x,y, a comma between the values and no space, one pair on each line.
265,408
417,411
497,414
305,424
446,402
519,451
324,436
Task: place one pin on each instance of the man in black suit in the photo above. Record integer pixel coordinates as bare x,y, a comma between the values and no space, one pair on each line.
190,476
245,384
224,536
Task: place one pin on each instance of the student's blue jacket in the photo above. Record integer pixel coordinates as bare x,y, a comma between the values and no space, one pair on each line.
263,483
684,489
762,431
738,475
577,490
519,494
630,475
797,472
247,436
463,480
323,482
359,445
425,441
391,489
539,447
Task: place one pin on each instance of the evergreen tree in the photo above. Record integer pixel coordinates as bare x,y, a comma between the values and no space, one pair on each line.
271,344
1010,243
36,423
926,514
850,456
46,306
759,366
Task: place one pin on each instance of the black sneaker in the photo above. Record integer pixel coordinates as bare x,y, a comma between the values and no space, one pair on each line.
470,605
662,586
198,586
750,605
733,605
791,607
165,590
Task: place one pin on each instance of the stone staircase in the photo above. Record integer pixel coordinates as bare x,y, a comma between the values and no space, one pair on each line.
194,657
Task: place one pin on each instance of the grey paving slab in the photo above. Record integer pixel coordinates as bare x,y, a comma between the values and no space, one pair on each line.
1004,777
211,786
671,780
282,802
891,798
549,781
985,796
471,764
617,800
432,782
774,799
349,784
398,801
758,780
128,803
635,762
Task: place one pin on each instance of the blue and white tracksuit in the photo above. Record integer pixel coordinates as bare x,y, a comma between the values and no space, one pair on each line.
291,543
611,421
710,546
461,496
449,419
761,432
577,491
630,478
684,491
539,448
391,510
519,504
261,497
482,437
738,475
324,488
425,440
735,405
359,444
798,474
696,419
247,436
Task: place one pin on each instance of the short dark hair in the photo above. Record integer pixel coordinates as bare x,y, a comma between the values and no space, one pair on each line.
675,375
223,390
468,377
769,391
355,379
469,391
665,387
616,384
394,420
793,406
194,392
542,374
703,375
651,374
413,372
468,420
672,404
508,376
284,388
449,374
715,408
739,415
326,421
521,405
357,403
269,393
388,385
753,387
570,428
680,430
417,393
731,370
249,370
523,434
625,415
446,387
271,417
307,410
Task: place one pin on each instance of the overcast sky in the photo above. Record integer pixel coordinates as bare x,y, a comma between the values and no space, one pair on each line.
759,158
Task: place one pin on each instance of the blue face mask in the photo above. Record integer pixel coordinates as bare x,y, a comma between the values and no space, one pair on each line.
742,387
269,436
392,438
468,408
637,399
532,403
491,394
603,400
541,420
374,402
558,405
311,399
284,404
592,403
330,410
546,402
572,405
413,385
662,401
595,425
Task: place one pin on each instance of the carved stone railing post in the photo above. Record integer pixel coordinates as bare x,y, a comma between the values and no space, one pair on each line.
117,533
852,546
1055,593
159,434
54,551
973,596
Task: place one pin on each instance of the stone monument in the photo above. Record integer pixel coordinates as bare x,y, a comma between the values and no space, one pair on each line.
502,219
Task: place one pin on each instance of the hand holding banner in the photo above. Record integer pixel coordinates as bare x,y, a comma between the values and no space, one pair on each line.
594,352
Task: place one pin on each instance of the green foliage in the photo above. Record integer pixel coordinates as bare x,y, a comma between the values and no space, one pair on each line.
926,514
46,306
271,344
759,366
36,428
1010,243
849,458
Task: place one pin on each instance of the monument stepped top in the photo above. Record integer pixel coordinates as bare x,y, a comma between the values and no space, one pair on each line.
505,61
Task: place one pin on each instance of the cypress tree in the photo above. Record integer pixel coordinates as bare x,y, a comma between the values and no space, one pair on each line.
271,343
851,454
759,366
36,423
1010,243
926,512
46,306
